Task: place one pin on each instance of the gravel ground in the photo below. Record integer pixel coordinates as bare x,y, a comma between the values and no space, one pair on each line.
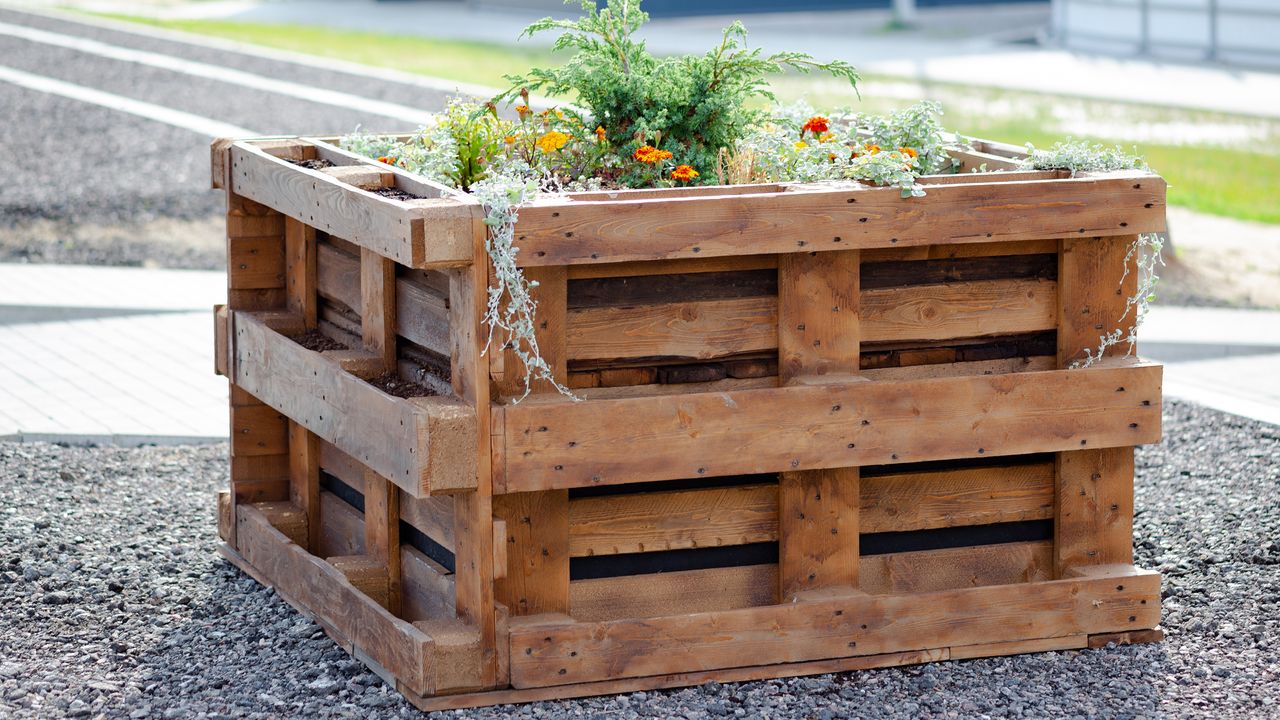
113,603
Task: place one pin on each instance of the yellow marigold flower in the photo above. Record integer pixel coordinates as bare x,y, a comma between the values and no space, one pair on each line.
559,114
600,135
831,157
684,173
510,139
522,111
552,141
909,151
871,149
388,159
826,137
800,145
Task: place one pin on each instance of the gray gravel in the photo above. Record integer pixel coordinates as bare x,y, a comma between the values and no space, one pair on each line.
113,603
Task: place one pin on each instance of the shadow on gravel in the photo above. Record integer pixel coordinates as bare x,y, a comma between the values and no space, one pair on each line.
114,603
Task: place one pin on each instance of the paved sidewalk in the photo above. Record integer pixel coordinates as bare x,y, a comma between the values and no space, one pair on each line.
109,355
991,46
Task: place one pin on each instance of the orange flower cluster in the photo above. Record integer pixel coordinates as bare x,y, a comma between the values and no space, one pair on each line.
910,152
522,111
651,155
684,173
388,159
816,125
600,135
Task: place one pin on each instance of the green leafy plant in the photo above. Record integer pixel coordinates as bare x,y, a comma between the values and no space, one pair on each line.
692,106
1079,156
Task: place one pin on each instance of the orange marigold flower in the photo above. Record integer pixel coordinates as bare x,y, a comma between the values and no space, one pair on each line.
651,155
826,137
871,149
909,151
388,159
816,125
510,139
600,135
522,111
684,173
552,141
831,157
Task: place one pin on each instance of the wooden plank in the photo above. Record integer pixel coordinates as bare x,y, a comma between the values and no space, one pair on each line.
426,587
382,532
717,328
421,444
674,680
224,515
684,287
1094,285
673,520
258,430
363,177
304,480
537,540
389,227
669,267
947,498
839,626
300,270
473,511
378,306
1094,512
221,341
338,275
393,643
341,528
819,315
1019,647
910,573
255,262
1129,637
561,444
898,273
561,231
817,531
673,593
432,516
551,296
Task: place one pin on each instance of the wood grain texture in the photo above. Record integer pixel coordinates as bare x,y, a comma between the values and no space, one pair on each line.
255,262
838,626
947,498
341,528
300,270
421,444
1095,285
817,531
393,643
537,541
673,520
304,480
382,532
378,307
561,444
551,296
1094,511
426,587
711,329
559,232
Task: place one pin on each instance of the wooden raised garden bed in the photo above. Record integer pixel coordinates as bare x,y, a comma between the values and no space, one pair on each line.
821,427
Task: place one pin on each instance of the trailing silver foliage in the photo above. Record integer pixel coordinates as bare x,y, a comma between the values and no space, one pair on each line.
1145,252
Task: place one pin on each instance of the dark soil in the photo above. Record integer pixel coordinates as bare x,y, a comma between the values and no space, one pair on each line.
313,164
392,384
318,341
397,194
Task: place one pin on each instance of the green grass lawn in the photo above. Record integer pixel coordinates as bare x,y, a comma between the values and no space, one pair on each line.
1233,180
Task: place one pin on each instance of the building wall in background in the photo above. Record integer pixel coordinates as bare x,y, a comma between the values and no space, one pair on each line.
1237,32
676,8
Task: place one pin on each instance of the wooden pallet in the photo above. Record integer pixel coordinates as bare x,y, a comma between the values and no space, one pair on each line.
821,427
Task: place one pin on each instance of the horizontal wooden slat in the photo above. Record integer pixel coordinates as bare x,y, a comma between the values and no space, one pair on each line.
325,592
568,232
556,443
731,588
838,625
947,498
427,589
741,514
717,328
613,524
392,228
421,444
341,527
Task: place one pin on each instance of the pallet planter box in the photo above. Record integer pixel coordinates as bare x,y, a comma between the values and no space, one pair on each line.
821,427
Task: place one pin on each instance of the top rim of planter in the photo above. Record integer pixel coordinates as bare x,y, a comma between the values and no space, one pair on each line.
443,227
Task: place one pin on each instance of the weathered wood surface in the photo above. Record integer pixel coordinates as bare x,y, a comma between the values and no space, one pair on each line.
561,444
421,444
389,227
827,627
568,232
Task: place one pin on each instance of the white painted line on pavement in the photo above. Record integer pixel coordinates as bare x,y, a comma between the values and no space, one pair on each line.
220,74
287,56
177,118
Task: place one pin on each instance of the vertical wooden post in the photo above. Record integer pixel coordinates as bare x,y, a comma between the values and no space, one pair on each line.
473,511
300,269
304,479
381,497
818,339
1093,523
255,281
536,579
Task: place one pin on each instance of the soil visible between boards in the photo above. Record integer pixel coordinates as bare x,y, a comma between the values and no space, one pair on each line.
393,384
318,341
397,194
313,164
